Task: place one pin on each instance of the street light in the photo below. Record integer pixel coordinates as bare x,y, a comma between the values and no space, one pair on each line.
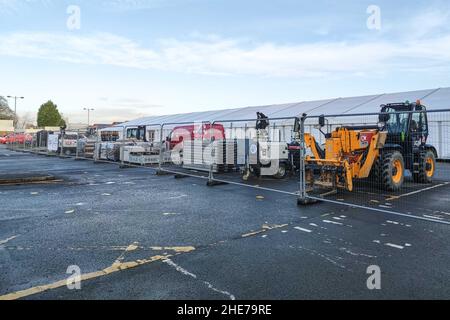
89,114
15,107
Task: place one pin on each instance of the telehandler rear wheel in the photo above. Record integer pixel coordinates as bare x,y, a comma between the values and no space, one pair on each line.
427,168
392,171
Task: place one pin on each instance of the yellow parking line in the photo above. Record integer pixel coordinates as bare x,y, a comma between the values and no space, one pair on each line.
115,267
59,284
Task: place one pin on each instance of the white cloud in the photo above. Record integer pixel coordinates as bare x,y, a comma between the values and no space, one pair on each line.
133,4
215,55
102,48
423,45
10,6
420,42
14,6
429,23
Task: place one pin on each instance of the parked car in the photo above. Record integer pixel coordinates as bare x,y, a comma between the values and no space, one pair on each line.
18,138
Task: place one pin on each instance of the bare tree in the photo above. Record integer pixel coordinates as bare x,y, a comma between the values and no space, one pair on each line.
5,111
25,121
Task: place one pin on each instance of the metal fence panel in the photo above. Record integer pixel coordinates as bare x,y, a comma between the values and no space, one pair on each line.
357,161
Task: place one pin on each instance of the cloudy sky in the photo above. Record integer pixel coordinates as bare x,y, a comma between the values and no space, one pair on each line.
128,58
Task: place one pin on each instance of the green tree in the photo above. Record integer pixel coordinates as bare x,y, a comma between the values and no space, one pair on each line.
49,116
5,112
62,123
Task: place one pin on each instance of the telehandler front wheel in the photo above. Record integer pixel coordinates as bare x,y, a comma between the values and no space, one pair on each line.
427,168
392,171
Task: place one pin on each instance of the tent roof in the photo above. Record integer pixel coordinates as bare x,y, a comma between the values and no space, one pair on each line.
434,99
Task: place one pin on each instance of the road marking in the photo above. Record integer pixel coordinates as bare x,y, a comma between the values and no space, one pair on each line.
303,229
88,276
433,217
176,249
178,197
7,240
333,222
356,206
392,222
131,247
115,267
265,228
395,246
355,254
171,214
417,191
190,274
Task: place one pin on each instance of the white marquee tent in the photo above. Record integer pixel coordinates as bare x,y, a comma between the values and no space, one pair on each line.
433,99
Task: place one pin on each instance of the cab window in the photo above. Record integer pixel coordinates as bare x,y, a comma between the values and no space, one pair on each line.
398,122
132,133
418,122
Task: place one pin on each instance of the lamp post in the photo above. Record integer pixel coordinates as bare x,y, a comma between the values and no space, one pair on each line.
15,107
89,115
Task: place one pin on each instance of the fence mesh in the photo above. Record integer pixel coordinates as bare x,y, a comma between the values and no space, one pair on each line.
400,165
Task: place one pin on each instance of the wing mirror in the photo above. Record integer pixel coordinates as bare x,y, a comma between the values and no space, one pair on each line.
384,117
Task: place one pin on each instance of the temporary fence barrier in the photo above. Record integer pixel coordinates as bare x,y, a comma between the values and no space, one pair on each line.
408,175
307,157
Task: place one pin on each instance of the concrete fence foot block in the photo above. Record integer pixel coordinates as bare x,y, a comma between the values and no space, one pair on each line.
215,183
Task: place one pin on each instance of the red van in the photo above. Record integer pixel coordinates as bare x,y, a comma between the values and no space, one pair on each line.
205,132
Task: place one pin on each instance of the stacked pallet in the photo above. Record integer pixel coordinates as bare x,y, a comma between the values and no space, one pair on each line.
89,147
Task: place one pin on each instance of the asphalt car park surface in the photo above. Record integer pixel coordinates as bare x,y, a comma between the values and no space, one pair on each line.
136,235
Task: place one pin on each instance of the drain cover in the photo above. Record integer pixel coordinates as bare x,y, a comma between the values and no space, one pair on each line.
25,178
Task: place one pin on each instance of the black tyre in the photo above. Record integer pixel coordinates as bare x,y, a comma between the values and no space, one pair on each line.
375,173
282,172
427,168
392,171
256,171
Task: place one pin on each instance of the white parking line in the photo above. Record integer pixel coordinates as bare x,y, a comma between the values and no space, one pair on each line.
2,242
380,210
396,246
303,229
418,191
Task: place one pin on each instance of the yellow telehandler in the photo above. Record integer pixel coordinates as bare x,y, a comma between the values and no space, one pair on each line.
381,153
